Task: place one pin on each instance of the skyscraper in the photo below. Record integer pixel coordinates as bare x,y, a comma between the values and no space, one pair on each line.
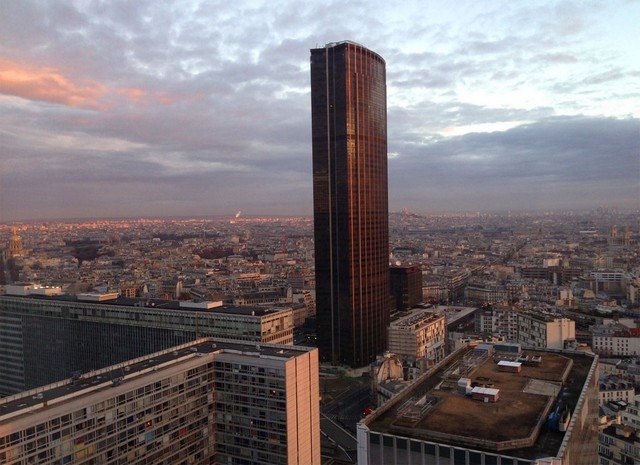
350,200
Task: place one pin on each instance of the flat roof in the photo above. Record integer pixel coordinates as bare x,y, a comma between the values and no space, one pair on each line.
48,396
415,317
135,304
434,409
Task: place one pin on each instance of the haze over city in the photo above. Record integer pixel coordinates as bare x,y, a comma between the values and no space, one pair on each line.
153,108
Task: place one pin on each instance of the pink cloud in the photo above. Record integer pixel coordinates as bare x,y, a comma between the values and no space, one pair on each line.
140,96
49,85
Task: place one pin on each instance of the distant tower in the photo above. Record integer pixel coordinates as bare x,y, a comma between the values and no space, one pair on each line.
15,245
614,232
350,202
627,236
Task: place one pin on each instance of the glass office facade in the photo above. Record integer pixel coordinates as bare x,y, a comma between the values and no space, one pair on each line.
351,224
45,340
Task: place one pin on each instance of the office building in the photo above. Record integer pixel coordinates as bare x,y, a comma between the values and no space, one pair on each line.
406,286
470,410
350,201
208,401
45,337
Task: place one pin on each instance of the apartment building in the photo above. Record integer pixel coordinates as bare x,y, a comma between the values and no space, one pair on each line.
631,415
542,330
482,291
208,401
421,334
533,329
613,388
496,321
618,445
616,340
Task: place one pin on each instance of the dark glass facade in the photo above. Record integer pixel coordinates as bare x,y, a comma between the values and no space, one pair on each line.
406,286
349,130
45,340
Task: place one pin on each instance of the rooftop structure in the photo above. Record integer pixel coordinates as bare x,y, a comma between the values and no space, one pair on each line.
539,413
208,401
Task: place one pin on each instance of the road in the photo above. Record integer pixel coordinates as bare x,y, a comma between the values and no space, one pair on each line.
340,417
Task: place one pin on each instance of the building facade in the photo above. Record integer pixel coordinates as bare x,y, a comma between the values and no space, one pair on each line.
545,331
406,286
422,334
209,401
618,445
350,201
613,388
44,339
492,321
616,340
492,292
631,415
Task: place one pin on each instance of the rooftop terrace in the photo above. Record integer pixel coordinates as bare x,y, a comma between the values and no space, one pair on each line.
434,409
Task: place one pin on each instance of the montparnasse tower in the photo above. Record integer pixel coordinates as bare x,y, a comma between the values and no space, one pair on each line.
351,215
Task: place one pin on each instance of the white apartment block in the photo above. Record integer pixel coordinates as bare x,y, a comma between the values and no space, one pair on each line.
614,340
421,334
540,330
210,401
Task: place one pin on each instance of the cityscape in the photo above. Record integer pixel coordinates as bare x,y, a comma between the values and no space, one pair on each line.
453,277
509,279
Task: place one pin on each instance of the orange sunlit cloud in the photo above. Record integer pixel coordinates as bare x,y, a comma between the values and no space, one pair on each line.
48,85
141,96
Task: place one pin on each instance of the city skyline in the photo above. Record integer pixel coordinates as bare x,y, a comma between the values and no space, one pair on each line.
120,110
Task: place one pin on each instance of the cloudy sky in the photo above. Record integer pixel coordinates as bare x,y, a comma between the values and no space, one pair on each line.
195,107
